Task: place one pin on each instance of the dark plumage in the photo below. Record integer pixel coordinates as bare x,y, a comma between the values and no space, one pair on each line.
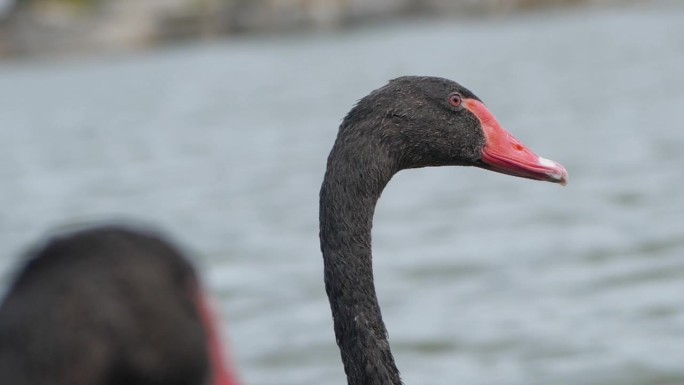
410,122
105,306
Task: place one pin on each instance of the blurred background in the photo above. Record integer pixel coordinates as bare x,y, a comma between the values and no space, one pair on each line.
212,120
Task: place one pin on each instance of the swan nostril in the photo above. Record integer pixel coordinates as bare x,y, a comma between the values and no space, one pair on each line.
518,147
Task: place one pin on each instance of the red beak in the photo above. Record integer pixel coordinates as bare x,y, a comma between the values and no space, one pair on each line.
505,154
221,375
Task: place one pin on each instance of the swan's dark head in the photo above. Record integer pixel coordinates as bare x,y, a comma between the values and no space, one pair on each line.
429,121
109,305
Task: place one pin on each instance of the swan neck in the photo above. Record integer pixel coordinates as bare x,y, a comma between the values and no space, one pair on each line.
353,183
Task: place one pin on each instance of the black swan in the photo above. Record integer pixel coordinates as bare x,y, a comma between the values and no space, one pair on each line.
411,122
109,306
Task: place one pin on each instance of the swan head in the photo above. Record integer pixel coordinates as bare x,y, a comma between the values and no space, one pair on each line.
431,121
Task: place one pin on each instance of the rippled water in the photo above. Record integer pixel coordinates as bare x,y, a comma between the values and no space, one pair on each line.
483,279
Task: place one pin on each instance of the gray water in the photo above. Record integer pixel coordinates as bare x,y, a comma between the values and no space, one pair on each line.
483,278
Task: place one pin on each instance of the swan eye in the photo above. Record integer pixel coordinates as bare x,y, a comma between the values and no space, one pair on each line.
455,100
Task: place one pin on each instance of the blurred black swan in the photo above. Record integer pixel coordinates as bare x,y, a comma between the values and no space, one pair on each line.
106,306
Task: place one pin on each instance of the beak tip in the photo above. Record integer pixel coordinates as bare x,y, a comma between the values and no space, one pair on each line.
558,174
561,177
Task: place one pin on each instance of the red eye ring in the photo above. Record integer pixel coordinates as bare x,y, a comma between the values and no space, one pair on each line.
455,100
